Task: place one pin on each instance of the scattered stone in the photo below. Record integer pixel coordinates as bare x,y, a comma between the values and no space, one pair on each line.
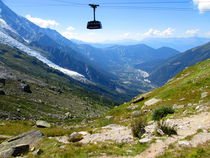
109,117
175,106
37,152
42,124
190,104
62,147
136,113
152,101
68,115
204,94
184,144
2,92
129,151
182,99
145,140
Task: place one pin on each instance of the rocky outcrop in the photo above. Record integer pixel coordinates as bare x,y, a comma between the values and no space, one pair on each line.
20,144
42,124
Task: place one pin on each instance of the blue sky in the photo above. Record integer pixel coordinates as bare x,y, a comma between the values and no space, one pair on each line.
128,19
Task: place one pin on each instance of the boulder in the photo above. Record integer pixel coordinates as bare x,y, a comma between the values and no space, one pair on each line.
152,101
75,137
2,92
19,145
145,140
42,124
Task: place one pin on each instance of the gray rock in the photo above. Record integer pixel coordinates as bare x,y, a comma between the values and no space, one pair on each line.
152,101
20,144
42,124
136,113
184,143
109,117
145,140
175,106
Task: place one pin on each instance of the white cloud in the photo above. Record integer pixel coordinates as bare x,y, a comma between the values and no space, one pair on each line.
203,5
192,32
42,23
70,28
158,33
68,33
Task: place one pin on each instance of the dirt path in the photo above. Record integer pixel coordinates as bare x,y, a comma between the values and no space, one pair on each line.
187,126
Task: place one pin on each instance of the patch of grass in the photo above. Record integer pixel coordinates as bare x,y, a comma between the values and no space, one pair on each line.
161,112
203,151
166,128
52,149
138,126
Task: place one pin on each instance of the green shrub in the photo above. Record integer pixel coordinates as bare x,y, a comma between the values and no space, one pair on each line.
161,112
138,126
166,128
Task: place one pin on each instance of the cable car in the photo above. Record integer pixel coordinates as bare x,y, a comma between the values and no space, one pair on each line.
94,24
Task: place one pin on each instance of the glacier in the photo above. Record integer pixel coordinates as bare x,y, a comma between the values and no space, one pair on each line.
7,40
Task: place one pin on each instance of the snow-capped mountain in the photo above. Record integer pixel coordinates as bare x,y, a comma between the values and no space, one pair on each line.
48,46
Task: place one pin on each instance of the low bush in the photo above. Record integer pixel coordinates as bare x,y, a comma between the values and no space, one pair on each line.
138,126
167,128
161,112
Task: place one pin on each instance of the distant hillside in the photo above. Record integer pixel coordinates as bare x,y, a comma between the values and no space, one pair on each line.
169,68
50,94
